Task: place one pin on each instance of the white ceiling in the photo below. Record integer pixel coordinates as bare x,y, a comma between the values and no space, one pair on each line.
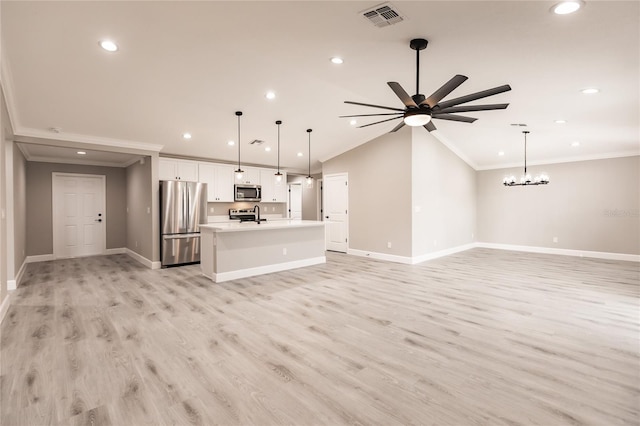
188,66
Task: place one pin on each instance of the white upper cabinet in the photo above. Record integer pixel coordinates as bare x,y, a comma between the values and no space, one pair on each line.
219,180
272,190
170,169
251,176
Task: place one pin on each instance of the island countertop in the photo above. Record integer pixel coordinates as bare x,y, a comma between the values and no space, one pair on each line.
221,227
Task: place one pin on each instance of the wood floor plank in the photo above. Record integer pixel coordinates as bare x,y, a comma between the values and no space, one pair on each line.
476,338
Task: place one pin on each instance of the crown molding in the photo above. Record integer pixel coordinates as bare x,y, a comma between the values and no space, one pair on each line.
72,140
575,159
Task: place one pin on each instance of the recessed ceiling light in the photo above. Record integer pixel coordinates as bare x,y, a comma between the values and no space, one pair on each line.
267,148
186,135
108,45
501,153
81,153
270,95
353,122
560,121
576,143
299,154
231,143
336,60
566,7
590,90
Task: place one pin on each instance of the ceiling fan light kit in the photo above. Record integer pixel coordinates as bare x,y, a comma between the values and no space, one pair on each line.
526,179
420,110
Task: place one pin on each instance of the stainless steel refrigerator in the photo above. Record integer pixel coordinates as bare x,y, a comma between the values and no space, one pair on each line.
183,208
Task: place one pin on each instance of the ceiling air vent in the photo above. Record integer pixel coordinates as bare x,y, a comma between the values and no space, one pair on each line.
383,15
256,142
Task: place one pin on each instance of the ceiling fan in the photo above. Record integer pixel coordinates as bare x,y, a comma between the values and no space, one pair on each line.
419,111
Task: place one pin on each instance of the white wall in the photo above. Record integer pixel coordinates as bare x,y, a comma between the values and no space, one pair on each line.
589,205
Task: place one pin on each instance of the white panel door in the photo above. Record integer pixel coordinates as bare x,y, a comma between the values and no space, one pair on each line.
336,213
78,215
295,201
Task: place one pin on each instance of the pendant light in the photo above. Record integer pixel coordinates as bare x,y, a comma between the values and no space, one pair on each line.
541,179
239,172
278,175
309,178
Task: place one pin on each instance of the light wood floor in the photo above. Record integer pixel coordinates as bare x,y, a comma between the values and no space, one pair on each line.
482,337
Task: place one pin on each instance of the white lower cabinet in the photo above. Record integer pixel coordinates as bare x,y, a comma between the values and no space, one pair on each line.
219,180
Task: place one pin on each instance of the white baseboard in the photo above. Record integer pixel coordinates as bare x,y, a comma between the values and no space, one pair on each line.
380,256
4,307
39,258
120,250
146,262
442,253
564,252
14,283
411,260
267,269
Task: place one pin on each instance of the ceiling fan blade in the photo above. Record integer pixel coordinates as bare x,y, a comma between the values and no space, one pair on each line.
378,122
398,127
369,115
474,96
454,118
402,94
447,88
469,108
430,126
374,106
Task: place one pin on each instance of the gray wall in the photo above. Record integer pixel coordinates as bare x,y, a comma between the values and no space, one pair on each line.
39,215
19,207
444,189
588,205
379,193
140,210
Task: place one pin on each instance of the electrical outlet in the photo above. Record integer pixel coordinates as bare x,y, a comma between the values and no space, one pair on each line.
148,210
211,209
127,210
284,251
273,209
136,243
555,239
388,244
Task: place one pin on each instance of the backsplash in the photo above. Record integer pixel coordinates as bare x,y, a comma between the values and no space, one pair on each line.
222,209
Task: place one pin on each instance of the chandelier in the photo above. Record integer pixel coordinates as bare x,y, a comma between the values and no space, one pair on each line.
526,179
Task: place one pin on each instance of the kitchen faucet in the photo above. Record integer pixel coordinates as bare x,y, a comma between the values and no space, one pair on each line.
256,209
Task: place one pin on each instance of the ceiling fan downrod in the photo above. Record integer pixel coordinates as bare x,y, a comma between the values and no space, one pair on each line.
418,44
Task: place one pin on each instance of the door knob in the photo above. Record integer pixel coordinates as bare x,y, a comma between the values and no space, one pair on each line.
98,220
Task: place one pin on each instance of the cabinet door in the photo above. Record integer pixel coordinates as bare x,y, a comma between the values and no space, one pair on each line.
267,180
224,183
188,170
207,174
280,189
251,176
168,169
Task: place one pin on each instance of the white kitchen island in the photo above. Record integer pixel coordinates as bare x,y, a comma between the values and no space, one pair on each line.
233,250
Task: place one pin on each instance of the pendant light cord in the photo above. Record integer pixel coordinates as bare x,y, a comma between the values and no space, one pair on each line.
525,151
238,142
309,131
278,123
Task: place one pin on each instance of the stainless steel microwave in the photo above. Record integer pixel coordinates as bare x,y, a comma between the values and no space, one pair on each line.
248,192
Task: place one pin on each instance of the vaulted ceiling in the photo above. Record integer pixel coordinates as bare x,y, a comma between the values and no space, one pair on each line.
188,66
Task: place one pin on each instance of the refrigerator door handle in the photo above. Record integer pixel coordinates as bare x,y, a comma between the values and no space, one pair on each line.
181,236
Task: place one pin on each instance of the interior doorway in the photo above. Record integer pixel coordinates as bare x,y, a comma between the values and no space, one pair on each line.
79,222
295,201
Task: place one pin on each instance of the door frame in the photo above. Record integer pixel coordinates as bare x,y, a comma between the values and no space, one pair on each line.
324,206
54,203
